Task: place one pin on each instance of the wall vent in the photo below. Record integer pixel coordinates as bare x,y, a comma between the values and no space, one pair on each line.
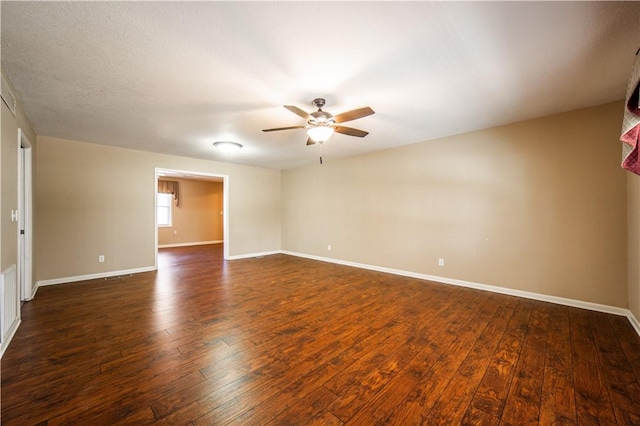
7,97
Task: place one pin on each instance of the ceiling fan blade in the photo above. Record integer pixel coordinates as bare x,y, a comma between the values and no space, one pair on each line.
310,141
283,128
350,131
353,114
298,111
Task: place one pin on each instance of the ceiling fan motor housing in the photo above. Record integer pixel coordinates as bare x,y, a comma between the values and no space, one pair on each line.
321,117
318,102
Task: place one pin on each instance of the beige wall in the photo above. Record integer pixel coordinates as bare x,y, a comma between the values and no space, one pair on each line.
198,218
96,200
538,206
9,179
633,188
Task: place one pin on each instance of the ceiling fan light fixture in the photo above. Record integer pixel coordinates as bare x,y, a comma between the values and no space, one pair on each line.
320,133
321,124
227,147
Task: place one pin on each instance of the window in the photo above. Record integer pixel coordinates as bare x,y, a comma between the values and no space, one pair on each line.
165,202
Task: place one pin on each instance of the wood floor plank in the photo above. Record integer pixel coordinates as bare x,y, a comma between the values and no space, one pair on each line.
624,388
629,344
306,409
324,419
285,340
371,376
525,393
558,400
444,316
420,402
142,417
438,330
456,397
204,397
489,400
593,401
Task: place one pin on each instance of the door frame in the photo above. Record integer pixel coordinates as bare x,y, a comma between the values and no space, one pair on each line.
25,217
166,172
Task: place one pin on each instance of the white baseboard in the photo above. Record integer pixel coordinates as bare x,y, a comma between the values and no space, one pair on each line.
33,292
246,256
95,276
197,243
502,290
12,332
634,322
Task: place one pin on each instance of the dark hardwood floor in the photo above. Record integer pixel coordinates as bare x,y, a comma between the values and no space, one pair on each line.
281,340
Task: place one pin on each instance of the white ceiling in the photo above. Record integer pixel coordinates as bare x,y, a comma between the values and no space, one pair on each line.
173,77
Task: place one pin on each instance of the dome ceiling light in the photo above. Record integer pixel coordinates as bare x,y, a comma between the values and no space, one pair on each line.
227,147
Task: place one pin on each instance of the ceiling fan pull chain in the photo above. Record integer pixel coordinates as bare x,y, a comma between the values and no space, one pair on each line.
321,153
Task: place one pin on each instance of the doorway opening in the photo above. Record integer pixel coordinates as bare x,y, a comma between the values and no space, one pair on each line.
25,218
162,174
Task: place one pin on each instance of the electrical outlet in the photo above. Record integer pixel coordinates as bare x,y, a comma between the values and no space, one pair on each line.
101,258
440,262
329,247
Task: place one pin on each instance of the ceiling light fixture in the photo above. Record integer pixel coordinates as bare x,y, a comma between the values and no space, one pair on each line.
320,133
227,147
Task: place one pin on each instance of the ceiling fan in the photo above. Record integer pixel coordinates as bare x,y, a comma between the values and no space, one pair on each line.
321,124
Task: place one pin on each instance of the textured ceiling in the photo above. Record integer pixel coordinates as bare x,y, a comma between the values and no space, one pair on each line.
173,77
